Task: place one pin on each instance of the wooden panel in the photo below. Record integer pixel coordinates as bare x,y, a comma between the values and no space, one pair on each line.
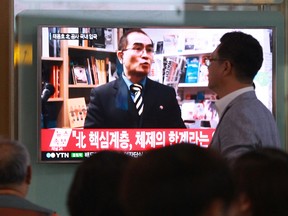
6,62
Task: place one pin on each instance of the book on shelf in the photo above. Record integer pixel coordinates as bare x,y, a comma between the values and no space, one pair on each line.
54,42
190,42
101,71
192,69
57,83
173,68
203,71
45,42
170,70
77,110
200,112
94,70
55,80
112,74
156,72
97,38
75,31
90,78
111,39
170,43
83,36
79,74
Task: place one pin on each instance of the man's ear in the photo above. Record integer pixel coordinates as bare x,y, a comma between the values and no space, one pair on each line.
120,56
28,175
227,67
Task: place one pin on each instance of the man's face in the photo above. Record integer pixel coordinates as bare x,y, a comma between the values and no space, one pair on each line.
214,69
137,58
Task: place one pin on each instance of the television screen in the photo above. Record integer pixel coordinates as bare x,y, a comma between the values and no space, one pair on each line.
76,52
76,59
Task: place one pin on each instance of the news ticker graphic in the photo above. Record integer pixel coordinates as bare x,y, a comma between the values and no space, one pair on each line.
127,140
75,156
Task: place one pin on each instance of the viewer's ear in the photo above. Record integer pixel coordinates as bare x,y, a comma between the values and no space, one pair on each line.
241,206
28,175
216,208
244,203
228,67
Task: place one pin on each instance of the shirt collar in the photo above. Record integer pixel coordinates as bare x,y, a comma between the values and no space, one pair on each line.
222,103
129,83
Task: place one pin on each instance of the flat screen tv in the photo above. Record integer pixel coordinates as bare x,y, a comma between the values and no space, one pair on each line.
74,52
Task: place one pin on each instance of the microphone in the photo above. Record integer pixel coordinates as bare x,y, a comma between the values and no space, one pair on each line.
48,91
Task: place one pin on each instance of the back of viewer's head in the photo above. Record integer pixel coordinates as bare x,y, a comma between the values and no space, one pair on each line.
181,179
244,52
262,179
94,189
14,160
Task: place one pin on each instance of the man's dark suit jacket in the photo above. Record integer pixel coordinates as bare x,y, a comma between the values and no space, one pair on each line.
111,106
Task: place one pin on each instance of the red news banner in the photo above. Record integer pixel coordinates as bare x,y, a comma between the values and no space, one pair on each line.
128,140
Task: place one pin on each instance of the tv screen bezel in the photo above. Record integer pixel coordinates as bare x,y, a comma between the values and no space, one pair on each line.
29,21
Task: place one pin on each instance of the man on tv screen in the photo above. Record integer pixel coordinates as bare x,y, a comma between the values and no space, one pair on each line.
133,100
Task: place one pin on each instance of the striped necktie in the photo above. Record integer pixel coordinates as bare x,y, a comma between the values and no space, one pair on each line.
136,89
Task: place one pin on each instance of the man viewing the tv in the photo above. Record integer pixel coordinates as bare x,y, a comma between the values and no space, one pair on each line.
15,179
245,124
133,100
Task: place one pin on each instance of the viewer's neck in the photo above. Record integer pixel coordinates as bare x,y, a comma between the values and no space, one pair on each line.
16,190
231,89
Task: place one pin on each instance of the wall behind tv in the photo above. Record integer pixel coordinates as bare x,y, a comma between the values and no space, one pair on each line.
51,181
21,5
